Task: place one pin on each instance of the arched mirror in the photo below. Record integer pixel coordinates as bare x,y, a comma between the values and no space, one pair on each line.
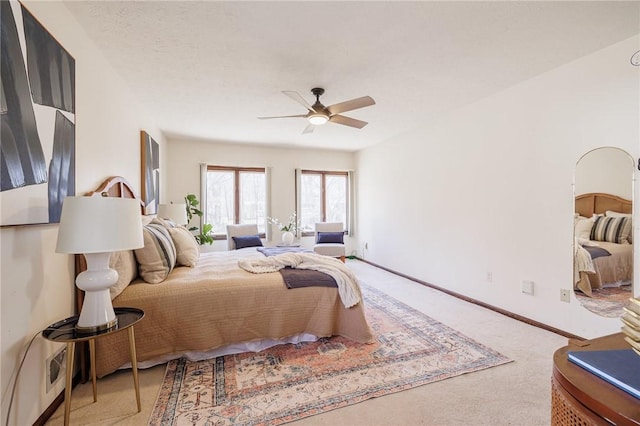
603,243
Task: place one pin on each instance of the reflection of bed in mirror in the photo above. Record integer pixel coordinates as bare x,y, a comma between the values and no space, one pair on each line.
603,242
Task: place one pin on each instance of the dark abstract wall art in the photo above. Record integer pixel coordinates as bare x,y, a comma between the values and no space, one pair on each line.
21,157
62,179
150,154
51,68
37,118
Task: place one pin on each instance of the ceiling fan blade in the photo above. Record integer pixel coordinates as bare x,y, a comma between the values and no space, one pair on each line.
296,97
348,121
345,106
309,129
283,116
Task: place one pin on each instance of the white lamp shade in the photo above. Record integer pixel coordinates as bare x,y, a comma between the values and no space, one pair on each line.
175,212
99,224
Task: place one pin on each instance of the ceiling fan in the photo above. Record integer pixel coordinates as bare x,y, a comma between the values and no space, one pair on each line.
319,114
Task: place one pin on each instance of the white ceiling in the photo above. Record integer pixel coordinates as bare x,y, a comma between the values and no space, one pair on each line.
208,69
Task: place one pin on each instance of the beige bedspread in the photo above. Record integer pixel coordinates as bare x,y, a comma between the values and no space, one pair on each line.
609,270
217,303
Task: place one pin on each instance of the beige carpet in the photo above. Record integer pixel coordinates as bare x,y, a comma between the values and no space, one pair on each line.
517,393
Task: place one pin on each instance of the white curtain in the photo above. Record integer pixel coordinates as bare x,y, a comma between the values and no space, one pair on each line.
298,198
351,203
203,193
267,180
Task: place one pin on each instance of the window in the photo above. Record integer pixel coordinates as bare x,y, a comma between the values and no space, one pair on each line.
323,198
235,195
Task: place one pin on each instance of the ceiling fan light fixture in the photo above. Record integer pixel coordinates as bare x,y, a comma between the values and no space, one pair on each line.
318,119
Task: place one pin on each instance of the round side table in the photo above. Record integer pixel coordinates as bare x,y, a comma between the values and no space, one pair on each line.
64,331
579,397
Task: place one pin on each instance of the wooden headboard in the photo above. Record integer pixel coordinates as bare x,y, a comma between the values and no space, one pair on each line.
598,203
116,186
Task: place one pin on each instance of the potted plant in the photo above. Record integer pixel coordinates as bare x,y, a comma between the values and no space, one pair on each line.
204,235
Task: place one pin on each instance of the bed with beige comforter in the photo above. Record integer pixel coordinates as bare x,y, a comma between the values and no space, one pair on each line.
216,304
612,270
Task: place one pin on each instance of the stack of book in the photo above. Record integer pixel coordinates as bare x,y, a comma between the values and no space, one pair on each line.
631,324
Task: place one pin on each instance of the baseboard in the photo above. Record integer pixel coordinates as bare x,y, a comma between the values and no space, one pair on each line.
479,303
58,401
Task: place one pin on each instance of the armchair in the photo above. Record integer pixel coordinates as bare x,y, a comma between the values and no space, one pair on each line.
239,231
329,239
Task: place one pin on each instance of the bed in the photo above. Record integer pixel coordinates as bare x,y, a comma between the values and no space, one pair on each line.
603,254
218,308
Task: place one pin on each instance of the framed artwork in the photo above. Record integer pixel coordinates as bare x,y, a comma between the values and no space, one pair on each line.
150,151
37,118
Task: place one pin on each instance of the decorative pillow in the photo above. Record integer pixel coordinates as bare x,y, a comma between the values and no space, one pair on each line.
611,229
124,262
167,223
247,241
330,237
610,213
582,227
158,256
187,250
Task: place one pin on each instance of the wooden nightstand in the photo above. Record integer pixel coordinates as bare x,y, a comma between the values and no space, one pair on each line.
64,331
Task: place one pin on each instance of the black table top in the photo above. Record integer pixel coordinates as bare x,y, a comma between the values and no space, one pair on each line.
65,330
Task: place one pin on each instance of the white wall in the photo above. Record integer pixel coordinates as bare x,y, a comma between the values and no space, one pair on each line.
184,172
490,189
37,284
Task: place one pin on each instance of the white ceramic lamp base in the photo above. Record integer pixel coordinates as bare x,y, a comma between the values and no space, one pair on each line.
97,312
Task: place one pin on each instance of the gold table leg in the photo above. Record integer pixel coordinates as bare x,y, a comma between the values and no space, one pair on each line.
134,365
92,362
69,382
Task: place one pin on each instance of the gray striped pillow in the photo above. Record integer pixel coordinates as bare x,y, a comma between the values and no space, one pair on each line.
611,229
158,256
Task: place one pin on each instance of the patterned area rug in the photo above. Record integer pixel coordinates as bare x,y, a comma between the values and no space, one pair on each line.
607,302
289,382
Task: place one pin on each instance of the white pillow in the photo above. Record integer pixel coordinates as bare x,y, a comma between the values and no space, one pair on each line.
610,213
586,242
582,227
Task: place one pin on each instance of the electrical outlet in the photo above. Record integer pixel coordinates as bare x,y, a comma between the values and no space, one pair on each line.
565,296
489,277
55,367
527,287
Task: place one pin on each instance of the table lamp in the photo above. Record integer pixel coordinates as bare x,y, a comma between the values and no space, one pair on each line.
97,226
175,212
